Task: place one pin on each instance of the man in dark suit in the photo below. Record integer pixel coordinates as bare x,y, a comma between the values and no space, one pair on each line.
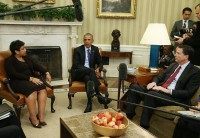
181,25
193,39
188,127
11,131
10,127
197,11
87,66
178,82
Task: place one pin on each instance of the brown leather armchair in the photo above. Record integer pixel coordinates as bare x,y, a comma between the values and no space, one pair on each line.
18,100
77,86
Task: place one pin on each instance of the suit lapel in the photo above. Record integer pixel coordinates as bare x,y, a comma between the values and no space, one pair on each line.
180,24
185,72
190,23
172,70
169,72
83,53
92,56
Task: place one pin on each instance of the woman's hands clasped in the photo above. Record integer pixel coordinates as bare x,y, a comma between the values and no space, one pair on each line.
154,87
36,81
48,77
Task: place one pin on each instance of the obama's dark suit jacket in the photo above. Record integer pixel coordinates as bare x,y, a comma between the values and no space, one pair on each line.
79,57
80,72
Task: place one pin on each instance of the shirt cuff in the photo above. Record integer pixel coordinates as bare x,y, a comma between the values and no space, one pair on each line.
170,91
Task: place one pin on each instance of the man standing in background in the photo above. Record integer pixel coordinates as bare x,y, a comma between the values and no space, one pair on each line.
182,25
187,127
193,38
197,11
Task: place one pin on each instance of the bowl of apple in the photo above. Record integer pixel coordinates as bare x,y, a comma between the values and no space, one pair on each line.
110,124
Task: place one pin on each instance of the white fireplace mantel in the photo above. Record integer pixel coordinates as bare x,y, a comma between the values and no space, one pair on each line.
42,33
50,23
38,27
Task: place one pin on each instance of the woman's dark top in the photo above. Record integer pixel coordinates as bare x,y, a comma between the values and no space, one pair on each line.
20,72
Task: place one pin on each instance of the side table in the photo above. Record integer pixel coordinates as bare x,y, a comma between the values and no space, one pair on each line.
117,54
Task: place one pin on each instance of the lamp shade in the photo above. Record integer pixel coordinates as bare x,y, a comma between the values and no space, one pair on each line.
156,34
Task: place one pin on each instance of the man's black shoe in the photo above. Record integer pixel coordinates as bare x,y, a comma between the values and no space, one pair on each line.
88,108
103,100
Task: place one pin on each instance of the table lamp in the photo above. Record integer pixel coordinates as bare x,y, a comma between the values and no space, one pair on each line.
155,35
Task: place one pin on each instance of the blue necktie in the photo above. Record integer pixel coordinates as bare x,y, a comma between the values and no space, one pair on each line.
89,55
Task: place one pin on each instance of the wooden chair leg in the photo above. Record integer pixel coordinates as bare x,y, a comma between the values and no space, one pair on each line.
52,102
1,100
17,110
70,95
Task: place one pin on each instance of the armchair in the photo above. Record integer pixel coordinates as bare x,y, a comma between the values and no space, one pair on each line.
77,86
18,100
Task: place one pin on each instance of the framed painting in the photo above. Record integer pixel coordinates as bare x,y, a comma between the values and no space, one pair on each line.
33,1
116,8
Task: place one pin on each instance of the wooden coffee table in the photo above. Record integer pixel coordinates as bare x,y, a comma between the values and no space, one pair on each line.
80,126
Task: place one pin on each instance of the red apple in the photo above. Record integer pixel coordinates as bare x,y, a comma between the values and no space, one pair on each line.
113,119
98,122
118,122
119,116
100,115
104,121
94,118
110,124
108,116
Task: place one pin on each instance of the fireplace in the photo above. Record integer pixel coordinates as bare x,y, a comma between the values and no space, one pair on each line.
43,55
59,36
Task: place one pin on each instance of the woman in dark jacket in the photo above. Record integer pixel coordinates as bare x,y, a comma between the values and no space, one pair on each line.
21,72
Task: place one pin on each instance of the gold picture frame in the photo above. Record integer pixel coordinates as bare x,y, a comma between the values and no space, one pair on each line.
33,1
116,8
